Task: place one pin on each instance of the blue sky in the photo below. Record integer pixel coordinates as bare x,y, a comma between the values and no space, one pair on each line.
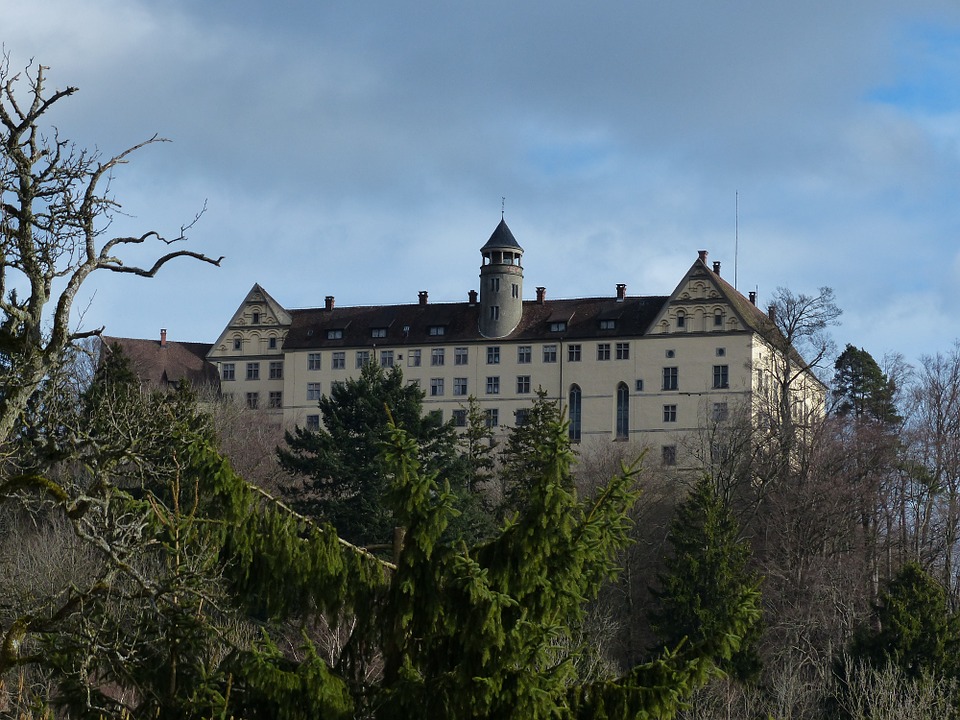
361,150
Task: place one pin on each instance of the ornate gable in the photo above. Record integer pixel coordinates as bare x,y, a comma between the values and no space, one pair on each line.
701,303
258,326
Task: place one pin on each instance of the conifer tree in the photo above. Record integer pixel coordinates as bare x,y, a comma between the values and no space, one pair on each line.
344,480
706,580
913,628
862,390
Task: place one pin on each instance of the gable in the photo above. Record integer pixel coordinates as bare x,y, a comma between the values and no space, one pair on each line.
258,320
701,303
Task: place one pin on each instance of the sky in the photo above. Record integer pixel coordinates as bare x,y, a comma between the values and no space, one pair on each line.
365,150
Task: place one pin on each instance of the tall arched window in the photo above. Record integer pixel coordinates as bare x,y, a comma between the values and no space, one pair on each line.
623,412
576,413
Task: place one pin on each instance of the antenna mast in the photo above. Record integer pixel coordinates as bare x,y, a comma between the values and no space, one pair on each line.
736,242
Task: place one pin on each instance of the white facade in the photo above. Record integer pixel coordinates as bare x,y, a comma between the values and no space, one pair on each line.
646,369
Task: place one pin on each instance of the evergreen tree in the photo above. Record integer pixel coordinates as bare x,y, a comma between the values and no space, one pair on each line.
523,456
706,580
345,481
913,628
861,389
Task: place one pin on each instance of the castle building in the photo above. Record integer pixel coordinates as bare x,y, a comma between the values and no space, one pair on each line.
650,369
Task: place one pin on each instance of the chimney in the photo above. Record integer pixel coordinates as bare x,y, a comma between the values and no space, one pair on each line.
703,255
541,295
328,302
423,297
716,266
621,291
163,337
772,312
472,297
753,297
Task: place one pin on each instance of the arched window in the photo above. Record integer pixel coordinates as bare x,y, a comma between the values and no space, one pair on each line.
623,412
576,413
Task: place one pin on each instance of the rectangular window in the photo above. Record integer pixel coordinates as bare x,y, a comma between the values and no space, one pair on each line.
238,344
720,412
603,351
228,371
493,385
670,378
491,417
718,319
253,371
522,417
363,357
386,358
339,360
549,353
276,369
560,326
574,352
256,318
524,354
253,400
669,413
495,284
460,418
623,351
608,324
272,343
335,334
721,376
313,361
313,391
437,330
413,358
436,387
436,357
460,356
313,422
515,290
378,332
523,384
493,355
639,385
460,386
668,454
276,399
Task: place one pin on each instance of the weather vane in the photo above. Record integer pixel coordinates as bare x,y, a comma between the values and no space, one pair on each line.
503,202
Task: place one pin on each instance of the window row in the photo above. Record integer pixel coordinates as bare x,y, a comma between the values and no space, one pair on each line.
461,386
274,400
272,343
228,371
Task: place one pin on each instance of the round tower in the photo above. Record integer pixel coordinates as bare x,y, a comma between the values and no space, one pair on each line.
501,284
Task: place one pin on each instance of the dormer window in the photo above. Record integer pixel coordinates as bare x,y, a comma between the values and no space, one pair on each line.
560,326
608,324
378,332
436,330
335,334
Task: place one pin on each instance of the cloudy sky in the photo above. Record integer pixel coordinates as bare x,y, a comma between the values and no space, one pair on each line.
361,149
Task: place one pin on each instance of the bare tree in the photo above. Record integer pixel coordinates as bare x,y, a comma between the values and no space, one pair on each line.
57,208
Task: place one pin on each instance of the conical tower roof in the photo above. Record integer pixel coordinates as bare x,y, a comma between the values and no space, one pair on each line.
502,238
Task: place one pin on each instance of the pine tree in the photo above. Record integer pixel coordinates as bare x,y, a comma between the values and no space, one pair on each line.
913,628
862,390
706,580
345,481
